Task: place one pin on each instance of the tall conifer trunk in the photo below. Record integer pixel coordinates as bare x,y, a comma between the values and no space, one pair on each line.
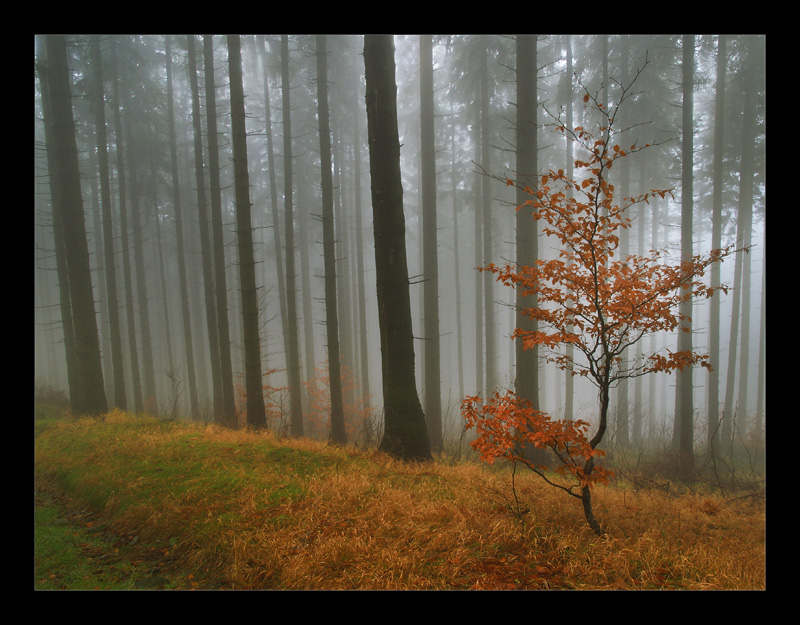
227,417
212,327
90,395
112,303
405,434
256,414
433,382
182,277
293,346
338,433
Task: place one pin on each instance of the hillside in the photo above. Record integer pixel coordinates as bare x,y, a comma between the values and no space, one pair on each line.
199,507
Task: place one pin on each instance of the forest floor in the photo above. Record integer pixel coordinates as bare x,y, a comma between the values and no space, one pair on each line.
135,503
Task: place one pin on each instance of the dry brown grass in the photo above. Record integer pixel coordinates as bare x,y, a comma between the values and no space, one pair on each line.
366,521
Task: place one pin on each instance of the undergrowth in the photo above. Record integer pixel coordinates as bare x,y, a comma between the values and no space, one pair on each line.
246,510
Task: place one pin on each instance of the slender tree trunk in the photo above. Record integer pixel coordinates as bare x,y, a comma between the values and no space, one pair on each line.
762,353
127,274
479,361
148,368
488,279
306,305
90,396
746,219
163,282
207,261
569,392
685,411
293,348
112,304
62,273
273,188
743,229
344,280
338,433
457,266
227,417
405,433
433,383
102,317
256,415
182,277
527,360
624,184
360,270
716,243
527,374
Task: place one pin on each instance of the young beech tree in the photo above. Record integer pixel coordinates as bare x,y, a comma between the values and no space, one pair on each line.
591,300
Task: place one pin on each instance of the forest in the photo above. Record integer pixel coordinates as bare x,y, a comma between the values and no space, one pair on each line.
219,235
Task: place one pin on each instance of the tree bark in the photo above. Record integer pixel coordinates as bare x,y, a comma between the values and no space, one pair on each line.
125,252
183,286
212,327
273,191
293,347
527,246
488,280
256,414
405,433
112,303
148,367
68,211
433,383
227,417
685,408
338,433
716,243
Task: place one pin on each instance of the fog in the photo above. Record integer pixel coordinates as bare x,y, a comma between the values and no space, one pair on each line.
142,204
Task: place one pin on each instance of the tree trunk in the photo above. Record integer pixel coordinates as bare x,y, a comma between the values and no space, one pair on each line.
478,248
212,327
488,279
127,274
293,348
256,415
741,271
456,265
338,433
228,415
360,270
527,360
68,211
62,274
746,218
433,384
112,304
685,409
183,286
716,243
405,433
569,391
148,368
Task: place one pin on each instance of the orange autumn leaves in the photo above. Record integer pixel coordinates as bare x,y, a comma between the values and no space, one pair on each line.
586,296
590,299
506,425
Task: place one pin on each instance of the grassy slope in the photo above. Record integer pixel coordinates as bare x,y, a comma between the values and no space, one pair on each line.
212,508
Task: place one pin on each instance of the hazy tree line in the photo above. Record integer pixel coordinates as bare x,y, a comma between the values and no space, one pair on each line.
217,257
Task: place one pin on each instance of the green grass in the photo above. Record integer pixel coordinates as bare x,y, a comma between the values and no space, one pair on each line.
78,555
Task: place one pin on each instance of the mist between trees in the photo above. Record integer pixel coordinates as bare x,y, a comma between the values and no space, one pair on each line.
220,181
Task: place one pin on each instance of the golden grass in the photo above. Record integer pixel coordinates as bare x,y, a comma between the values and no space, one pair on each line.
335,518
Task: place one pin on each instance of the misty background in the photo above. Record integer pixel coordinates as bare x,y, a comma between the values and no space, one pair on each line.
143,209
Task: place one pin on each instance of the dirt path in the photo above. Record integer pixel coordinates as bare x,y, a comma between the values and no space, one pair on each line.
105,559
